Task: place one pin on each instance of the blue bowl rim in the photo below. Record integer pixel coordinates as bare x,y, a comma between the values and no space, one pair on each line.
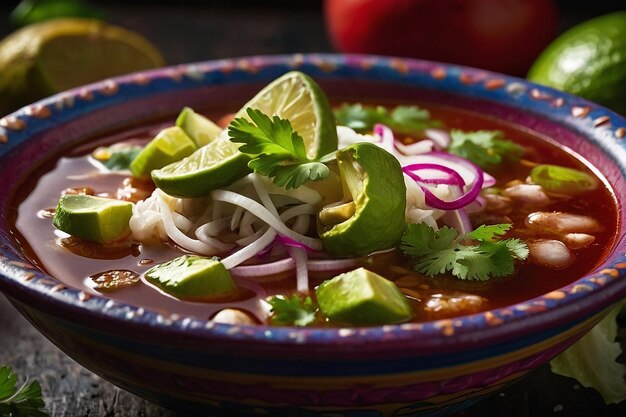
24,282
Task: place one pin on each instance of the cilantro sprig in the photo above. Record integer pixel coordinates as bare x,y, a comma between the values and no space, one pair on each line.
402,119
293,310
17,401
277,150
486,148
446,250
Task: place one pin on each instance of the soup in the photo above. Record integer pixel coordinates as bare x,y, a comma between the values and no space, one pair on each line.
306,235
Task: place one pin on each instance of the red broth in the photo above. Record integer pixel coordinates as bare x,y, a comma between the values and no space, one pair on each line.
75,262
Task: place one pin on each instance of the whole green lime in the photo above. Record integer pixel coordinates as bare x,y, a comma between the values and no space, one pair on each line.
588,60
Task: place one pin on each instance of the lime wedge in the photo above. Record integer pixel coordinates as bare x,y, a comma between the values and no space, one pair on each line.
294,96
197,127
93,218
52,56
297,98
213,166
170,145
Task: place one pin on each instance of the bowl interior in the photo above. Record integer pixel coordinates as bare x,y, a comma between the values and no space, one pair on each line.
35,134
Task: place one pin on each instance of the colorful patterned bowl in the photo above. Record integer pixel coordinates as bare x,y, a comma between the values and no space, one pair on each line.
401,370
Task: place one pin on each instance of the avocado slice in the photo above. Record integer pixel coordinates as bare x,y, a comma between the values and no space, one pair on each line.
193,277
93,218
200,129
370,216
170,145
362,297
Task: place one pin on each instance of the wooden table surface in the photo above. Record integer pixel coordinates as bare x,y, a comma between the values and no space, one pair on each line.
200,33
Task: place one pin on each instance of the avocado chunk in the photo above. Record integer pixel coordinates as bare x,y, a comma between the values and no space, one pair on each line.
93,218
169,145
200,129
193,277
370,216
362,297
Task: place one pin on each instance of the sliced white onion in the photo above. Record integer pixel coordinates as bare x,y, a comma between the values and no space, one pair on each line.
439,136
386,138
204,237
324,265
302,273
179,237
249,239
216,226
263,270
181,222
250,250
236,218
416,148
265,215
245,226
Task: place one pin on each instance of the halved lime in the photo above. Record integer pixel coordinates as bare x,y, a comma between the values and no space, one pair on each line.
197,127
93,218
45,58
297,98
170,145
213,166
294,96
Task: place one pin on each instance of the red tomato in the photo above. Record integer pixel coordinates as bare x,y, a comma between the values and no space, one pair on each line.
499,35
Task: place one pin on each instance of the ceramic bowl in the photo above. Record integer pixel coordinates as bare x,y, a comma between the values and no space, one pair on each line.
401,370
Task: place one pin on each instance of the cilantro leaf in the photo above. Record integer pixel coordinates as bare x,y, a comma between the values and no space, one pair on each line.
402,119
117,157
486,148
278,151
488,232
292,310
517,248
421,239
23,401
443,251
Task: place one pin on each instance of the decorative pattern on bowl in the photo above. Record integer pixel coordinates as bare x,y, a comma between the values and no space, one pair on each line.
401,370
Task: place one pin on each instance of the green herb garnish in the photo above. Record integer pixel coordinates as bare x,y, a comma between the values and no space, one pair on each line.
24,401
558,179
278,151
117,157
446,251
486,148
402,119
292,310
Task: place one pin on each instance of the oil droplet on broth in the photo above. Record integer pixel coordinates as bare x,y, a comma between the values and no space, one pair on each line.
114,279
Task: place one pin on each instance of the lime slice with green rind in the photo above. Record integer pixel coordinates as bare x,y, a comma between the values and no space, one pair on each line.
213,166
170,145
371,215
298,98
588,60
52,56
93,218
193,277
197,127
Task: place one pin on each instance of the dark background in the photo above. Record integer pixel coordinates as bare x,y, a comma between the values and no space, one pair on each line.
196,30
188,31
